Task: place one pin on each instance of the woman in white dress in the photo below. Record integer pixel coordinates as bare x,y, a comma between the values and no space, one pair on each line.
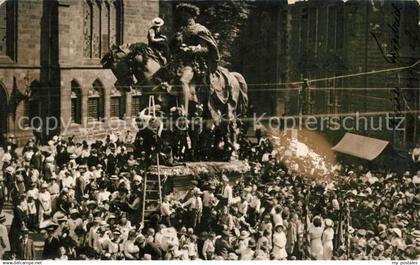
279,243
327,239
316,228
4,237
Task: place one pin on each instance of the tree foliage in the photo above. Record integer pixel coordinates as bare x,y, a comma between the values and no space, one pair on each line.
224,19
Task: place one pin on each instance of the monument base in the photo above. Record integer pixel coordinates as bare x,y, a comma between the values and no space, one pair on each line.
180,176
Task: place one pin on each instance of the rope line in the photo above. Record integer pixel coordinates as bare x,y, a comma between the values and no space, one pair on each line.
365,73
302,82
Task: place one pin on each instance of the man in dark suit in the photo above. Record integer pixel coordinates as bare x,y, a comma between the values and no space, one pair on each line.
37,159
222,245
111,161
52,244
148,248
26,250
18,223
93,160
2,193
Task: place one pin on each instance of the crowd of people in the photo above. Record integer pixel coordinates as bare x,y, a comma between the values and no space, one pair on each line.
86,202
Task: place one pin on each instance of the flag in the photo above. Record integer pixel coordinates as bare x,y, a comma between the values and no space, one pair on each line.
15,98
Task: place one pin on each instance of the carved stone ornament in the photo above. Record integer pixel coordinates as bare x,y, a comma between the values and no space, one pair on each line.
115,92
93,92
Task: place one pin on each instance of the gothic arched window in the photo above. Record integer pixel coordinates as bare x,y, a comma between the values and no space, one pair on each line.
102,27
76,102
8,16
87,28
136,103
119,22
96,100
117,104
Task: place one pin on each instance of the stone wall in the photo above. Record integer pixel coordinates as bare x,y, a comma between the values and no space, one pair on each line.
259,54
363,42
50,38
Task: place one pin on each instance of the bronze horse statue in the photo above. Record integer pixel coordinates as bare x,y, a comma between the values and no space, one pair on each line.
137,65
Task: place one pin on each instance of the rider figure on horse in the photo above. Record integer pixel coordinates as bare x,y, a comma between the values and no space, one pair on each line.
198,52
157,40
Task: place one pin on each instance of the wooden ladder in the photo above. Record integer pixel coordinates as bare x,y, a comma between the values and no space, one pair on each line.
152,196
152,191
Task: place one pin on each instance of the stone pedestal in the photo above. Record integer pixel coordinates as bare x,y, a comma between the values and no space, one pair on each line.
180,177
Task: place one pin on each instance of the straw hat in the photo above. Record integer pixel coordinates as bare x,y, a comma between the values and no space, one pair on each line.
73,211
279,225
62,218
244,235
397,231
381,227
361,232
233,256
50,226
329,222
158,22
197,191
416,233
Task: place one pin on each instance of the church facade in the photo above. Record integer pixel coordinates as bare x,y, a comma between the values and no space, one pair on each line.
50,71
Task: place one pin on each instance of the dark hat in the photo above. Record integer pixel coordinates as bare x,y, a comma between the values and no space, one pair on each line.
25,231
416,200
139,239
79,230
226,233
251,243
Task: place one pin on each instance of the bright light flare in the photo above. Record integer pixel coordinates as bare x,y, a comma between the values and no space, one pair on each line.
306,153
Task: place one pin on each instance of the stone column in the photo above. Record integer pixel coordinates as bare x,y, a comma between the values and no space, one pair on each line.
84,110
128,99
65,103
107,104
